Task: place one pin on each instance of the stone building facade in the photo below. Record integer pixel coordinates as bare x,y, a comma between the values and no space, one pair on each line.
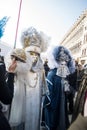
4,48
76,39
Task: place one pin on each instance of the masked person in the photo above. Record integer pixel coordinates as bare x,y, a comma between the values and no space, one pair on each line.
34,43
30,84
55,116
17,109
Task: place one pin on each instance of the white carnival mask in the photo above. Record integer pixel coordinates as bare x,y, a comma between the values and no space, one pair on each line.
62,70
34,56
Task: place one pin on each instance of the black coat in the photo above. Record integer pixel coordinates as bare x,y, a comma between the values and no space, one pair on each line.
6,95
46,67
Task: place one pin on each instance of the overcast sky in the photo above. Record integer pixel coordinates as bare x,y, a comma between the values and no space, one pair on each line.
53,17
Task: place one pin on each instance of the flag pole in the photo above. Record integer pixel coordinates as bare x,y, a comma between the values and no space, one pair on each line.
17,24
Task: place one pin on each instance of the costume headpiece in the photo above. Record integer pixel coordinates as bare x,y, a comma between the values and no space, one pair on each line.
19,53
60,53
32,40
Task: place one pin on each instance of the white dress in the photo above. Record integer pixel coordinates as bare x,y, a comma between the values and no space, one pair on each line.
33,101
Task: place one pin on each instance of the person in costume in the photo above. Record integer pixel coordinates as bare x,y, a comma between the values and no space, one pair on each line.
30,84
55,116
34,43
17,110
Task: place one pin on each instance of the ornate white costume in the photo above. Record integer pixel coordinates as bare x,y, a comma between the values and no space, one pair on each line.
33,99
30,84
17,113
36,85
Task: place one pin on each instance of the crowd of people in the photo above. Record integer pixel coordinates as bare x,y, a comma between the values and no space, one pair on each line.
42,96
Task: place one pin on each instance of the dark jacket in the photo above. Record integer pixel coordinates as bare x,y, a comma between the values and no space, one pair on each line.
80,98
6,95
46,67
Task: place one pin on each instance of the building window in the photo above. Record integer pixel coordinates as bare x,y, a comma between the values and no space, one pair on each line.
84,52
85,38
85,27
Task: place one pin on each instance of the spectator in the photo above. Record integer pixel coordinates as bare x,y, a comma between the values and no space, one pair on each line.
46,67
80,98
80,73
6,93
2,63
